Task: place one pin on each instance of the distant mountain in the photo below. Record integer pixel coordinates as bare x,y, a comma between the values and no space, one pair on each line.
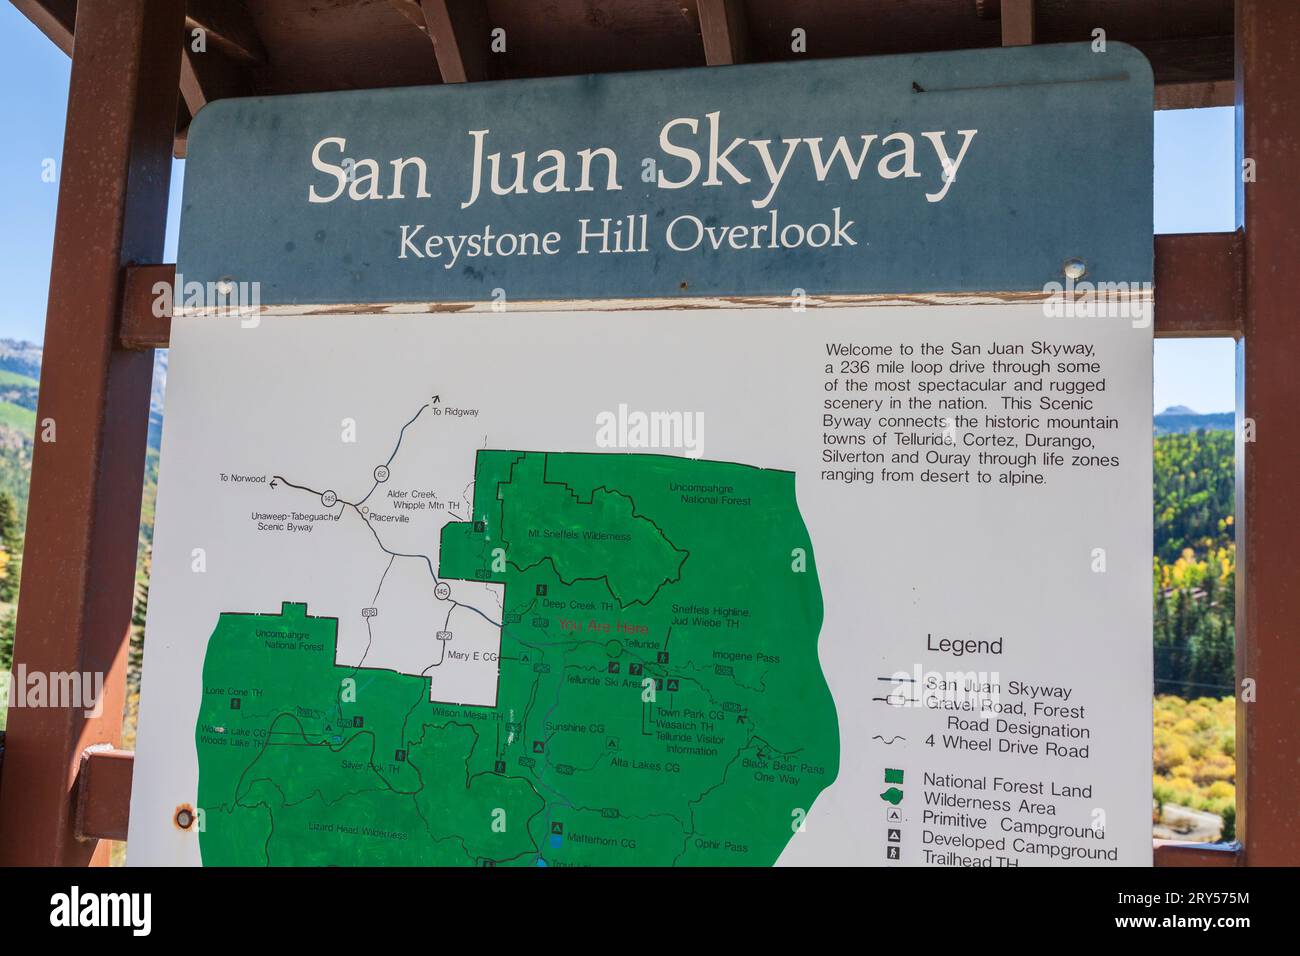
22,358
20,371
1179,419
20,367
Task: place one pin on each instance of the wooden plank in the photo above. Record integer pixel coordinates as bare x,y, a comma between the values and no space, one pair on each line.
461,38
1268,391
1199,284
87,474
723,30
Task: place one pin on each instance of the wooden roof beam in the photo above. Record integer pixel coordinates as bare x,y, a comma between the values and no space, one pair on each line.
411,10
206,75
209,75
227,22
1200,284
461,34
54,18
723,29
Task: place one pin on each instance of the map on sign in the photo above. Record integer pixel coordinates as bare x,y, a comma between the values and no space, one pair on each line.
607,640
731,587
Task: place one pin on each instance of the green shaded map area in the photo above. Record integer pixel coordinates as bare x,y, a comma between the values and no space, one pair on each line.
660,699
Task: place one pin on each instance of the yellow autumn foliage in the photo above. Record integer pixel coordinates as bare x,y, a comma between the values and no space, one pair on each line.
1193,752
1188,571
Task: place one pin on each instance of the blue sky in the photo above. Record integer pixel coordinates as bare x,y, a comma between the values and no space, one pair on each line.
33,98
1194,193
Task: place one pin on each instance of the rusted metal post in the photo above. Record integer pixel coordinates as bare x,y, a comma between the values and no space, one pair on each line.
1268,467
88,464
1198,284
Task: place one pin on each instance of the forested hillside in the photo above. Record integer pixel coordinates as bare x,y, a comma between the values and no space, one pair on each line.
1195,563
1194,579
20,365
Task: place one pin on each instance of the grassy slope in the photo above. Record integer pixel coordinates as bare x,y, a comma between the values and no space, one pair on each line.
19,418
8,378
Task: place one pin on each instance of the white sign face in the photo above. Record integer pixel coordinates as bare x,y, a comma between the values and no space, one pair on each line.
848,586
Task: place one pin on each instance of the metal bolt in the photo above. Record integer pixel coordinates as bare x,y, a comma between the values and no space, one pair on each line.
1075,268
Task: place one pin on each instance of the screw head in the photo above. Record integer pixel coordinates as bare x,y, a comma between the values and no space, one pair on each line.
1074,268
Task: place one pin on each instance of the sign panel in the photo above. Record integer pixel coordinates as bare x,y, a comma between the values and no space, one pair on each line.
725,587
981,170
863,585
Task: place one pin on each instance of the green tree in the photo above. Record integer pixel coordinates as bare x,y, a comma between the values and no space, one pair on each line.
1212,659
11,544
7,625
135,651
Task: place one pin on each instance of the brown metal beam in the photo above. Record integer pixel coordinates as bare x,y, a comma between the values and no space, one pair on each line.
104,794
54,18
227,22
1017,22
88,462
208,75
1198,291
461,36
1192,69
1195,95
183,120
1169,853
411,10
1198,287
1268,393
723,29
147,307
